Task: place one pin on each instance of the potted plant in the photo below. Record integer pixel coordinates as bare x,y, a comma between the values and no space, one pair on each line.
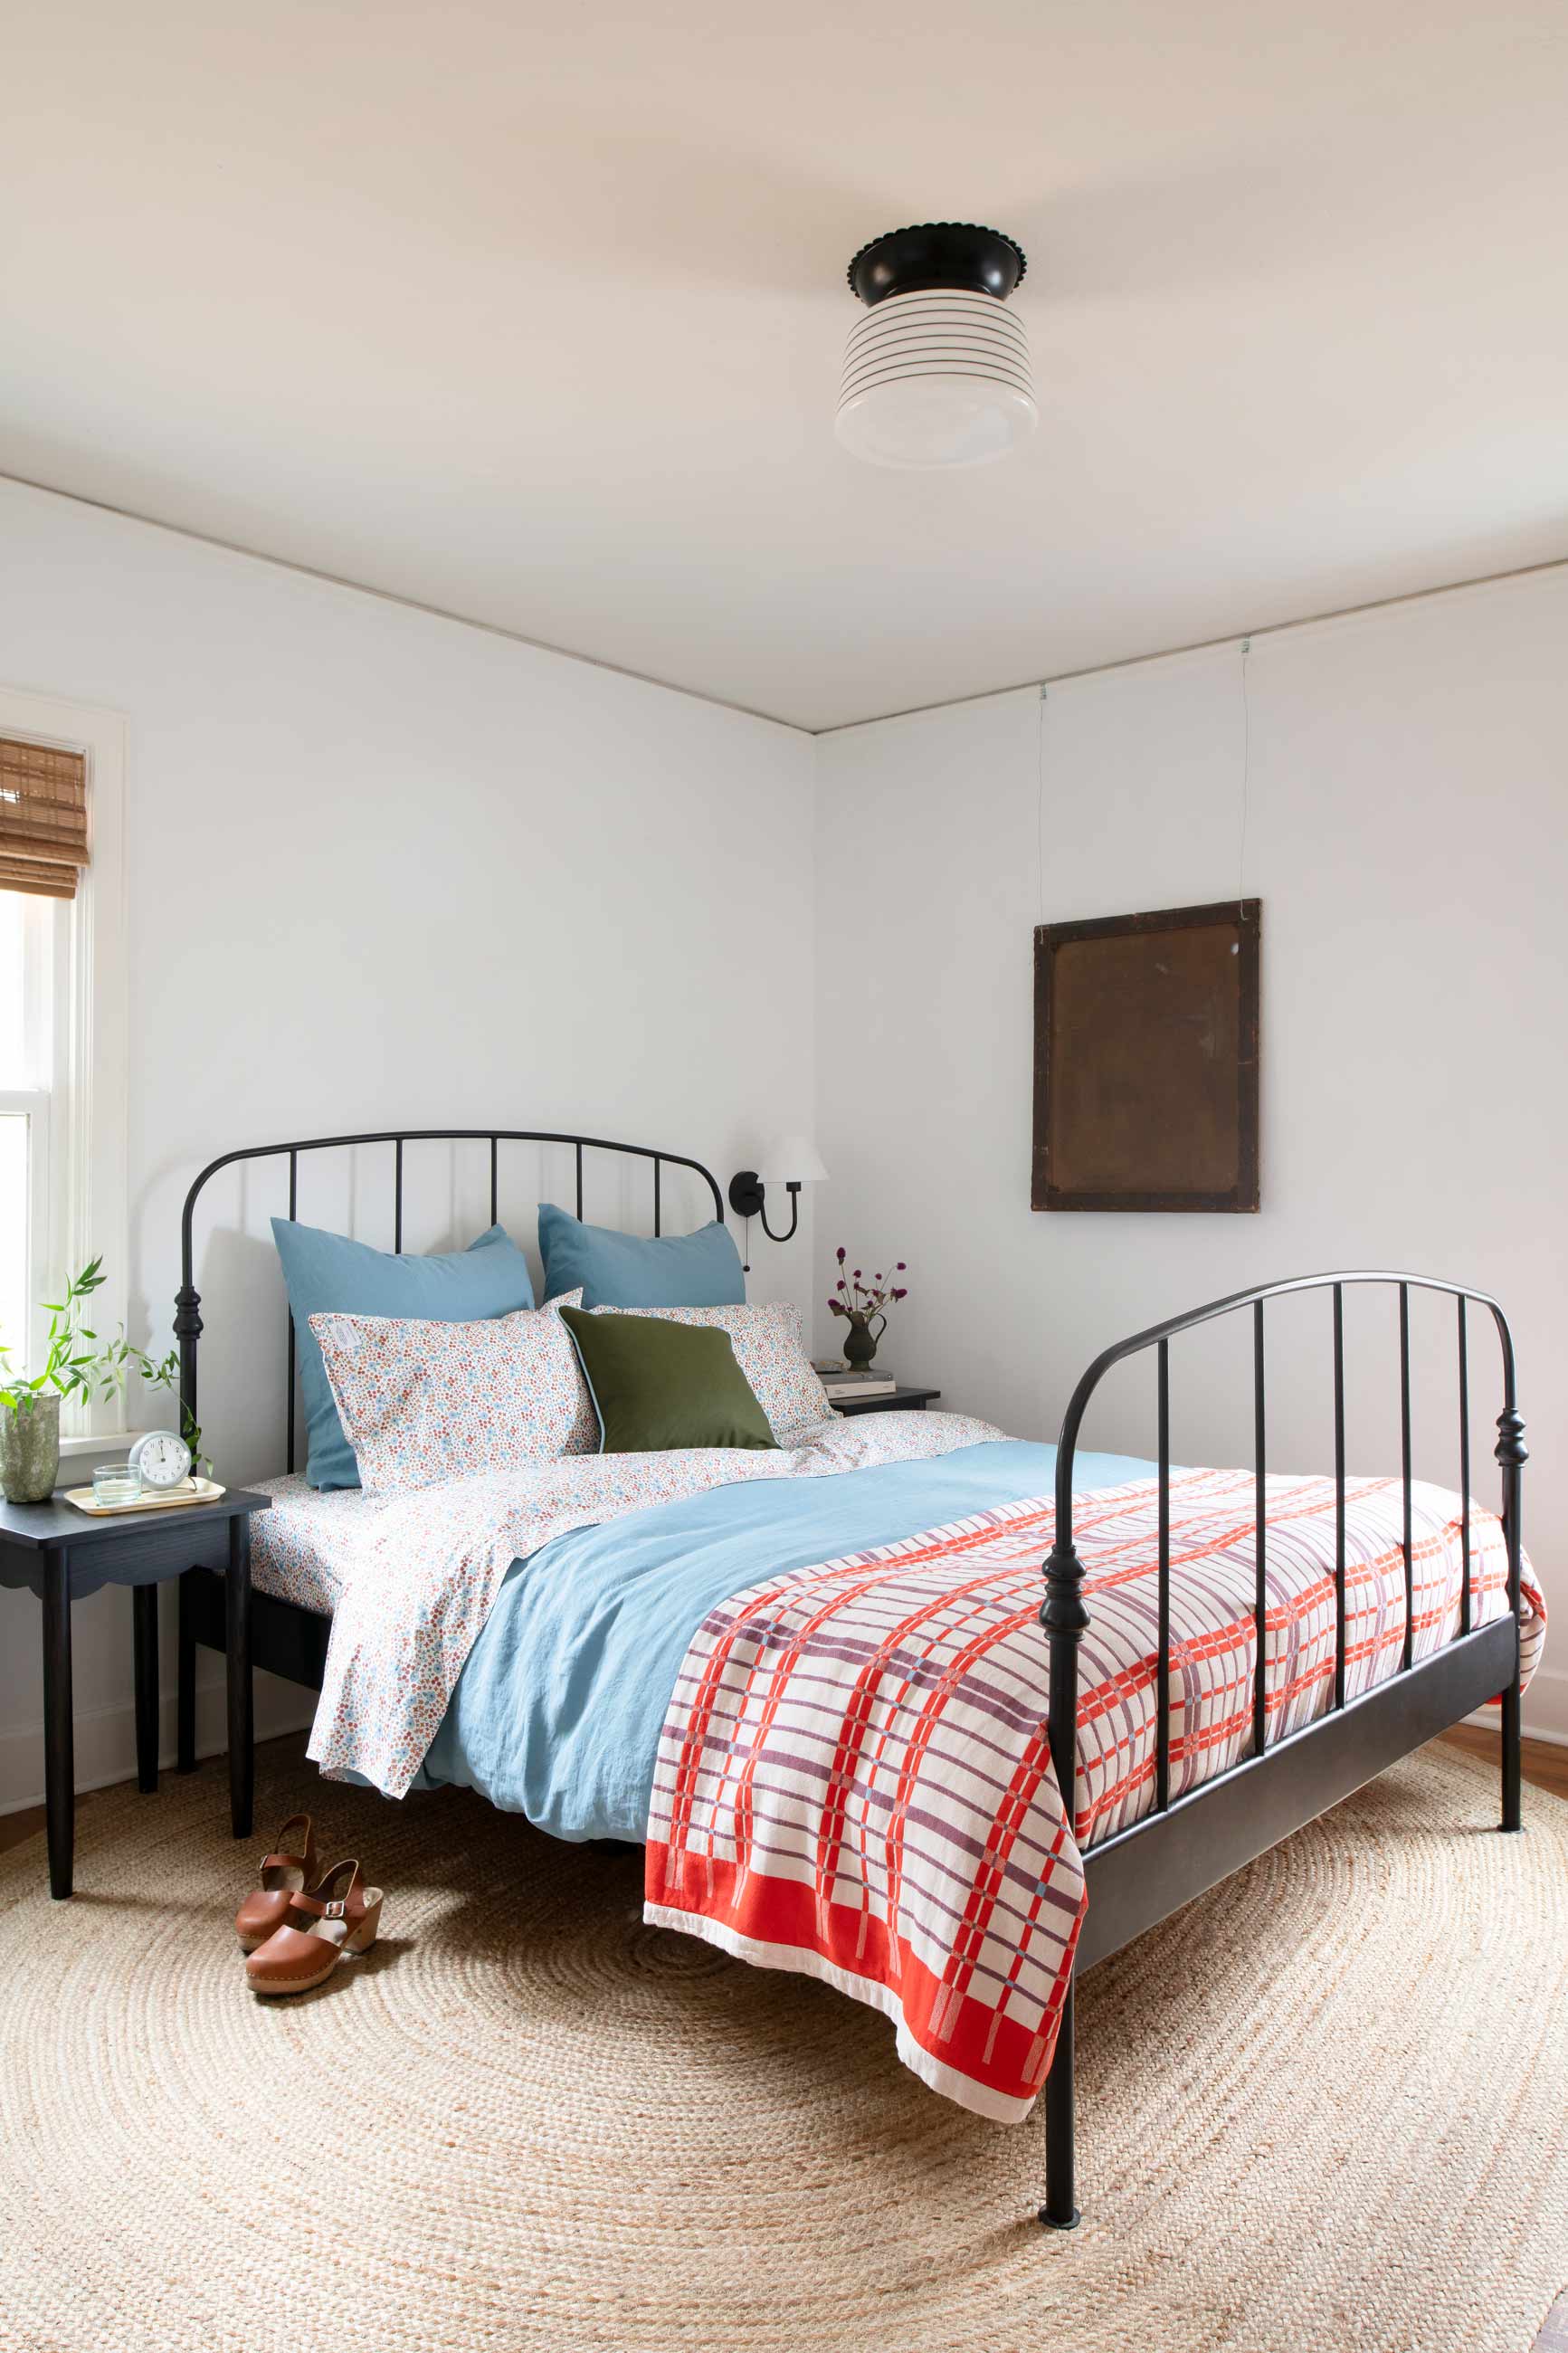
77,1364
861,1303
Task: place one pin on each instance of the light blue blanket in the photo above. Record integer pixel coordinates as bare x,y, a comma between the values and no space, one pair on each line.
558,1712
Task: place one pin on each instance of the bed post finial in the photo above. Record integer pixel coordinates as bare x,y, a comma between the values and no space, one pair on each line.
187,1332
1064,1618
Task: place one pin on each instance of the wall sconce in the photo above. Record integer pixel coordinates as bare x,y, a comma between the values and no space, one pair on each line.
791,1161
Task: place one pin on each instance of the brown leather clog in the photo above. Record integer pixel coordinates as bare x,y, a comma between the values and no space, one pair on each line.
320,1928
286,1873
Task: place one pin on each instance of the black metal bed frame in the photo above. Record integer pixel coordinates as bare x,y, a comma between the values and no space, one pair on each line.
1185,1845
1188,1844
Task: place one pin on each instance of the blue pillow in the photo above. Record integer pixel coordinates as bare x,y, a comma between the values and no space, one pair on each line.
700,1270
328,1274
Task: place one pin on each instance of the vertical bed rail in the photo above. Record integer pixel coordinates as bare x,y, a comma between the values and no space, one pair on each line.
1163,1632
1408,1652
1065,1618
1259,1540
1339,1495
1464,1466
293,1212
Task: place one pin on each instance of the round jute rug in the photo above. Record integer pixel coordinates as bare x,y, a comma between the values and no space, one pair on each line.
1323,2107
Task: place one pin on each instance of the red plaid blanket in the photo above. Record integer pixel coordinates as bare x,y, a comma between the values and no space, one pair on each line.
854,1778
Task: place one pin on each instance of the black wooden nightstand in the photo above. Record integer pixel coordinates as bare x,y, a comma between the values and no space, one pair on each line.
59,1553
899,1401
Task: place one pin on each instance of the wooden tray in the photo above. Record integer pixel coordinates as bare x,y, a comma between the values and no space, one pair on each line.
194,1491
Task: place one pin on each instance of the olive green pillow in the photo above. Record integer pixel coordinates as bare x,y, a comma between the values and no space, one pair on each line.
657,1385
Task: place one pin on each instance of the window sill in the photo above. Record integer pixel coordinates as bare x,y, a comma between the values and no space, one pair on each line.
107,1444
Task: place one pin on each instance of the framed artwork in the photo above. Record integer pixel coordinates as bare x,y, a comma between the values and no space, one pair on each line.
1146,1060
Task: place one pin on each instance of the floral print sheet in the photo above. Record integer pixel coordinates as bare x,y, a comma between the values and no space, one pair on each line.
303,1548
428,1567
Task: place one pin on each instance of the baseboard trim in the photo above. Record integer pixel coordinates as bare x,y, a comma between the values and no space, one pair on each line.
1545,1710
106,1739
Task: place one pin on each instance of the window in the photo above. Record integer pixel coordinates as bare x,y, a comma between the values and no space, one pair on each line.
62,1018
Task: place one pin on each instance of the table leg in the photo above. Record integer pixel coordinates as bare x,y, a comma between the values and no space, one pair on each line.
186,1682
237,1637
59,1755
144,1652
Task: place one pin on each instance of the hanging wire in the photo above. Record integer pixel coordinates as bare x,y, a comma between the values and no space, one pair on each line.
1246,775
1040,804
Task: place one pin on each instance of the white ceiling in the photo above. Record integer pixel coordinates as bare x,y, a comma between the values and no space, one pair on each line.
535,314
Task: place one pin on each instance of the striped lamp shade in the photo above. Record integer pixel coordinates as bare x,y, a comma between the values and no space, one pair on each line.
937,371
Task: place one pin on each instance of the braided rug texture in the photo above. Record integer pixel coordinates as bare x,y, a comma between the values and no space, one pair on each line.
1322,2107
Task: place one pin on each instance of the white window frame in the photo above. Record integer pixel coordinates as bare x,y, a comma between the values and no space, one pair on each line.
32,1103
81,1210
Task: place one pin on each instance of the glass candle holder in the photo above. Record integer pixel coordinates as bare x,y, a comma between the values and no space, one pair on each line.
116,1482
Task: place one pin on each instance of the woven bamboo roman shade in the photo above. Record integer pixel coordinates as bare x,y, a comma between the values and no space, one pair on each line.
43,820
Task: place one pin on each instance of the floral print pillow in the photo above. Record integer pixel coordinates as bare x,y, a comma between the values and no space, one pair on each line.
421,1402
770,1351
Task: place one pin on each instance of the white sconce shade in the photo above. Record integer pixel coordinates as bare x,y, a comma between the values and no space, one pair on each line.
791,1160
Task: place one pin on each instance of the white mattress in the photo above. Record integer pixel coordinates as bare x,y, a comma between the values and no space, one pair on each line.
301,1549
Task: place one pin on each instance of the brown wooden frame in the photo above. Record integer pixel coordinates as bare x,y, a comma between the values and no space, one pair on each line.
1244,917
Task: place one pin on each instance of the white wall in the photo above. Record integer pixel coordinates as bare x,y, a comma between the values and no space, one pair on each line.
384,869
1408,832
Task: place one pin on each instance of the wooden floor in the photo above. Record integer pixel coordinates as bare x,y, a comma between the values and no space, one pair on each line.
1545,1765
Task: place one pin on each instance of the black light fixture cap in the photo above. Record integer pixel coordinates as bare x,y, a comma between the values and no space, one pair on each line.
937,254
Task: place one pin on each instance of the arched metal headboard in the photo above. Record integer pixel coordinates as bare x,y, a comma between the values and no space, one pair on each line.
187,1300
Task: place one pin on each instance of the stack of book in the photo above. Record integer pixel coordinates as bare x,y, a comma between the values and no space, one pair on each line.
857,1385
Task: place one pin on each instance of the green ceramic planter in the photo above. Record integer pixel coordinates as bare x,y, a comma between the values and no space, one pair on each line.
30,1450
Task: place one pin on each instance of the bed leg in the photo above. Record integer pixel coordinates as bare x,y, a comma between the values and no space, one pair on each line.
1058,2212
1511,1454
1512,1806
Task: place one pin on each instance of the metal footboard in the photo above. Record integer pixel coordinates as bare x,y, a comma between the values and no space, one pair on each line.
1181,1849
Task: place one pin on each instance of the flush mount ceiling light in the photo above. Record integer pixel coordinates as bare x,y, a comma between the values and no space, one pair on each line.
937,371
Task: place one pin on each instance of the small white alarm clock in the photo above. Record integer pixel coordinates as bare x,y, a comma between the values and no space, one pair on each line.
162,1460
